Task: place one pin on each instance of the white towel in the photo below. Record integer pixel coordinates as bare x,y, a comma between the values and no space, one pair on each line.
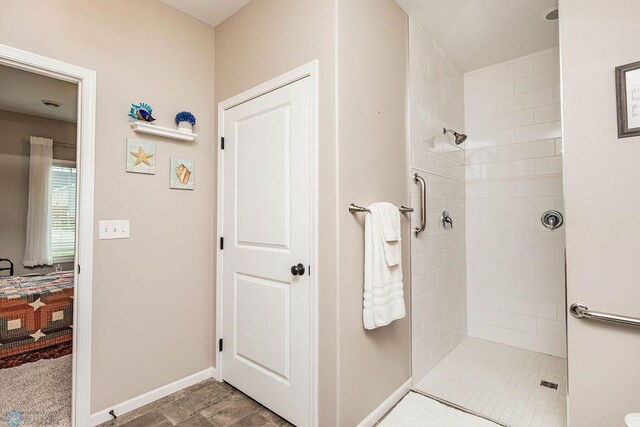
390,217
383,290
391,234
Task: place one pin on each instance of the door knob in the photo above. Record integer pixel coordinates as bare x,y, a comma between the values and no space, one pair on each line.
297,270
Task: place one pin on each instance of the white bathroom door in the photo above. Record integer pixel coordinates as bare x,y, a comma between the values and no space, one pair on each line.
267,231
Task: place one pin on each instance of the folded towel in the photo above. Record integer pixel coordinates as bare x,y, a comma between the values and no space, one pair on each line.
389,219
383,289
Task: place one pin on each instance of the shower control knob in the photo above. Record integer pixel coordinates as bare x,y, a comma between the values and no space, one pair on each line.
297,270
552,219
447,222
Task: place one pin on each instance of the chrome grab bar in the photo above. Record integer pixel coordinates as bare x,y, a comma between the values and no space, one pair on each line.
579,310
423,204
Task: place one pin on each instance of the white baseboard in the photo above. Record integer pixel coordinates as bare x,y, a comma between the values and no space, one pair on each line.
152,396
388,403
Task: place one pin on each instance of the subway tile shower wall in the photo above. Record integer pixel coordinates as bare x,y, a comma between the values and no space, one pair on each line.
513,170
439,299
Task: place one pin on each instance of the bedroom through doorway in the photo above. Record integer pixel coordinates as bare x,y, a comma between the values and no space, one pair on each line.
38,211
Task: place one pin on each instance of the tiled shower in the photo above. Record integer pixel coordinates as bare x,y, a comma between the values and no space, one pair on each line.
515,266
493,287
438,263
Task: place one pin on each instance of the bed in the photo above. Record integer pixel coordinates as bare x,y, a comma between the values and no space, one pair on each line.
36,317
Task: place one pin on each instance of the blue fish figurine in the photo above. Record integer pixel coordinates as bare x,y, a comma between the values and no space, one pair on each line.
144,115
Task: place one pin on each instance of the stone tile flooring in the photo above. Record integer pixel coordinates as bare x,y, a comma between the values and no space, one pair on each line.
208,403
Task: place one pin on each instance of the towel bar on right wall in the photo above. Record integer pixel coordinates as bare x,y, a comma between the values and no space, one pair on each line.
423,204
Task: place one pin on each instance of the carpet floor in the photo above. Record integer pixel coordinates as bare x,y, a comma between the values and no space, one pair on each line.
40,392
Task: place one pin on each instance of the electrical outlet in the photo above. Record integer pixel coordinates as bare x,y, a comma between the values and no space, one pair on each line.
115,229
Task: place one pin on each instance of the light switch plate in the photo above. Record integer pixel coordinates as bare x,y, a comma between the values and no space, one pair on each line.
114,229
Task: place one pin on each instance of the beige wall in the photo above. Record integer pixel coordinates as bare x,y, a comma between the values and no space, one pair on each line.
263,40
373,73
142,338
270,37
153,293
601,175
15,130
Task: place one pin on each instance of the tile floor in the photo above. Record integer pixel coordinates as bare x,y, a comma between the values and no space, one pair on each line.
495,380
502,383
206,404
416,410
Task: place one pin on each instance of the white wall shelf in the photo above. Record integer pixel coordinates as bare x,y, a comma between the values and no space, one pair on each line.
150,129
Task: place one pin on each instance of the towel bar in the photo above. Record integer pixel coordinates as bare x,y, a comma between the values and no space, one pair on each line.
355,209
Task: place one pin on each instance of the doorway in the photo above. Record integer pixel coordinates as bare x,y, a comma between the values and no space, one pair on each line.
54,274
266,303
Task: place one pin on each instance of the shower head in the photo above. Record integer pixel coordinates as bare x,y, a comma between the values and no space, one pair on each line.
459,137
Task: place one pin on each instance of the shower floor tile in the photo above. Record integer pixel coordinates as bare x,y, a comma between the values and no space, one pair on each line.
501,382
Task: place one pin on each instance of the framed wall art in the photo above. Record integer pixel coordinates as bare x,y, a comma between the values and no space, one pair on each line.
141,156
183,174
628,99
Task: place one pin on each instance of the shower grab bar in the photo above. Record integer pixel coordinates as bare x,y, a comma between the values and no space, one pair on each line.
355,209
579,311
423,204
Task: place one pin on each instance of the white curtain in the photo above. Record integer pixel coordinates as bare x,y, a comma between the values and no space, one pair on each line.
38,248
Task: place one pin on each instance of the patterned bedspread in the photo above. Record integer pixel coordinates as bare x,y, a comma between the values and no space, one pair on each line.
36,318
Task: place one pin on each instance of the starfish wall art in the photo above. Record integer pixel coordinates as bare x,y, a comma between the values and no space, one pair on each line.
141,156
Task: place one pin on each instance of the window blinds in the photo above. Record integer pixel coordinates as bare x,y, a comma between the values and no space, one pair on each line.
63,212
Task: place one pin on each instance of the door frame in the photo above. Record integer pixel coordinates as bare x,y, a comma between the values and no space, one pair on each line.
309,70
85,161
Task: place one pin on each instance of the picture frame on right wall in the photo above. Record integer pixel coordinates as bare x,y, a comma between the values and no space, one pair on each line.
628,99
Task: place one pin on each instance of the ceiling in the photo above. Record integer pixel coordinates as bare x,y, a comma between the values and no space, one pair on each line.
473,33
478,33
211,12
22,92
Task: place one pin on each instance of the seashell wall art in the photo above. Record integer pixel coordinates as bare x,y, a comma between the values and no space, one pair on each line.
182,174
